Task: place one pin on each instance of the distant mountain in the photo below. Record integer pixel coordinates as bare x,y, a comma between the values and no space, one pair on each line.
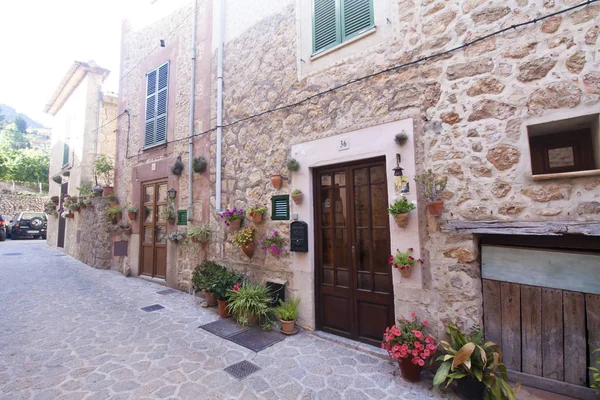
10,114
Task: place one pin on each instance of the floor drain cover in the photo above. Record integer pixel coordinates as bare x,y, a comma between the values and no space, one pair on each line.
153,307
11,254
242,369
167,291
60,255
256,339
223,328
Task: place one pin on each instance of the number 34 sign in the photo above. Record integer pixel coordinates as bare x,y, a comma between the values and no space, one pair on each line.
343,144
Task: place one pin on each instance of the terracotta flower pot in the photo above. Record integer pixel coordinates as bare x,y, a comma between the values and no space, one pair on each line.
210,297
297,198
252,320
287,326
70,216
113,203
83,206
132,215
223,308
435,208
106,190
235,224
405,273
276,180
249,249
257,218
411,372
401,220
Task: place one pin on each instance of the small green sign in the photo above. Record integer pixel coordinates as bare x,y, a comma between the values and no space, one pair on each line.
182,217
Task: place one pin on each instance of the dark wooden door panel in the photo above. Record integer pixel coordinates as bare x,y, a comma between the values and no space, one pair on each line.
531,326
492,311
511,325
552,334
592,309
153,229
575,340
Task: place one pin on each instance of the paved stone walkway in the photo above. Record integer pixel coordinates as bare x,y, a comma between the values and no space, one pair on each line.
68,331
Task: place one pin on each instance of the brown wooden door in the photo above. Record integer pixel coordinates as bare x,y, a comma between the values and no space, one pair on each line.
352,243
153,230
60,241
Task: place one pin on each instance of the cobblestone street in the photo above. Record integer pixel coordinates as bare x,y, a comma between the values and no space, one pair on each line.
68,331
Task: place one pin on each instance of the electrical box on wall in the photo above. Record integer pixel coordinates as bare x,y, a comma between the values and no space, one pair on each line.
299,236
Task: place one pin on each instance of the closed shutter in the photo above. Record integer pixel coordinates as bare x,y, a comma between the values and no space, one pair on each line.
326,24
157,97
357,16
280,207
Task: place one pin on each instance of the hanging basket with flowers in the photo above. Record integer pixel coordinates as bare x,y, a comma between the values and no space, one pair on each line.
404,262
244,239
233,218
272,243
256,212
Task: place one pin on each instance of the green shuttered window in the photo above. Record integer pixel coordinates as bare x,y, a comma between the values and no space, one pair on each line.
280,207
335,21
157,87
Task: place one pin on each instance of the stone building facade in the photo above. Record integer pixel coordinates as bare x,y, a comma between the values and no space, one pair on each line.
85,120
470,114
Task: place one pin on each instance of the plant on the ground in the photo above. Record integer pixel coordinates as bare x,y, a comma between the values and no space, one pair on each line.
243,237
432,185
469,356
103,167
199,164
296,192
287,310
401,206
293,164
595,381
111,197
85,191
222,283
272,243
406,340
231,215
199,234
113,214
178,236
169,213
401,138
256,210
202,273
250,299
403,260
132,209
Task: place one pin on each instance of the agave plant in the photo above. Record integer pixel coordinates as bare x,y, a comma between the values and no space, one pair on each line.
470,356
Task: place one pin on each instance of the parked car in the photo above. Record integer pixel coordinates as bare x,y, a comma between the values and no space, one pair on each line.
2,229
26,224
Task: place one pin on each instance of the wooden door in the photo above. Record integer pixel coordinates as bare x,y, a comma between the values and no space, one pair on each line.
153,260
352,244
60,241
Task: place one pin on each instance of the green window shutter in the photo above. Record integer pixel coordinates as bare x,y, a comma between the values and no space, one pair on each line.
157,97
357,17
326,24
280,207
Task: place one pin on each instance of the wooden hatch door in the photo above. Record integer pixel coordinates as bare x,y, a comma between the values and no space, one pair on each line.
153,260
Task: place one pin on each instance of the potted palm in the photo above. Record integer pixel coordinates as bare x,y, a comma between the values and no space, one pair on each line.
244,239
132,212
400,210
287,311
432,187
169,214
103,167
249,303
403,261
256,212
297,196
233,218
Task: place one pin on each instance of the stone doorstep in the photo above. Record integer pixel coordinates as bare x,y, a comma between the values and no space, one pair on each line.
352,344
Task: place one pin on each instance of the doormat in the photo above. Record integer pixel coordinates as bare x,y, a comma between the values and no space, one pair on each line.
242,369
166,291
256,339
224,328
153,307
11,254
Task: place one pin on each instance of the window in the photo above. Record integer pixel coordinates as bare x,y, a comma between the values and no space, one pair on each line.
569,145
157,85
280,207
336,21
65,154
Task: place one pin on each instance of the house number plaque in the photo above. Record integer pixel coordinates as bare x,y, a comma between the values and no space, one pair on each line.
344,144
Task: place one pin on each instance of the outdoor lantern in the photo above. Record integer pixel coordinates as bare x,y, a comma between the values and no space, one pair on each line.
172,193
400,181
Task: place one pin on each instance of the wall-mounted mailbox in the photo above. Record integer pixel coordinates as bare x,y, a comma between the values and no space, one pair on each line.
299,236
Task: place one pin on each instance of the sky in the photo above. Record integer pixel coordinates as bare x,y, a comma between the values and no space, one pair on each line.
42,38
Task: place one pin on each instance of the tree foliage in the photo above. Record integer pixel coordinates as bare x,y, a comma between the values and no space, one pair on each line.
17,161
11,137
21,123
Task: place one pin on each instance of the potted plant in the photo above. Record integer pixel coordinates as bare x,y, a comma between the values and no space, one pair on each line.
199,234
293,165
256,213
88,203
287,311
113,214
276,180
595,379
199,164
73,203
404,262
177,167
81,203
201,280
244,239
178,236
55,199
233,218
406,343
400,210
67,213
112,199
103,167
249,303
222,283
132,213
125,227
272,243
401,138
297,196
475,364
85,191
169,213
49,207
432,187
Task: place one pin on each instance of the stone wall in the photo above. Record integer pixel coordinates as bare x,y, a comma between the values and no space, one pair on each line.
11,203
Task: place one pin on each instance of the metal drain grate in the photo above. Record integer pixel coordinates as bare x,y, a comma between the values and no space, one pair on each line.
153,307
167,291
60,255
242,369
11,254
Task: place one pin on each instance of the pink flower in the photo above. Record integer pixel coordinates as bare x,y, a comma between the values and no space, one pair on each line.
418,334
431,347
411,249
236,287
425,323
414,361
421,362
396,331
426,353
413,315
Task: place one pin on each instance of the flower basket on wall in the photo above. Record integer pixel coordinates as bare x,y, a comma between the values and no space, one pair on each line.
276,180
297,196
233,218
432,187
403,261
244,239
400,210
256,213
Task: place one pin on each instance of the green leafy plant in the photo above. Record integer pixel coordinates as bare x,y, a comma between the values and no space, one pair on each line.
431,185
250,300
401,138
255,210
296,192
178,236
469,356
199,234
403,260
293,164
55,199
114,214
287,310
199,164
595,381
243,237
401,206
85,191
222,283
169,213
132,209
103,167
111,197
202,273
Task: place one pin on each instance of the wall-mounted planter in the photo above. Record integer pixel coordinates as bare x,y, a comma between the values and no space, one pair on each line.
435,208
405,273
249,249
297,198
276,180
106,190
235,224
177,168
402,219
257,218
199,164
132,216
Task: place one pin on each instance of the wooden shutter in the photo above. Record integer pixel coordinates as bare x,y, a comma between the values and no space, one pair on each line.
157,85
357,16
326,24
280,207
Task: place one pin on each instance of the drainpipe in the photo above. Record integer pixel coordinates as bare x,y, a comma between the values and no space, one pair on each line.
220,99
190,208
99,102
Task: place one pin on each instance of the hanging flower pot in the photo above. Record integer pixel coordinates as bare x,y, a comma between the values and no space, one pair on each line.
401,220
106,190
132,215
435,208
235,224
297,196
411,372
223,308
249,249
276,180
257,218
70,215
405,273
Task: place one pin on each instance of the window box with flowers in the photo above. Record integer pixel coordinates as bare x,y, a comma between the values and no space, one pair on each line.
233,218
272,244
257,212
244,239
403,261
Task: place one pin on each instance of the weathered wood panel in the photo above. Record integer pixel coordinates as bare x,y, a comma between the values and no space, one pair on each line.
492,311
592,308
574,271
549,385
575,340
544,228
552,334
511,325
531,326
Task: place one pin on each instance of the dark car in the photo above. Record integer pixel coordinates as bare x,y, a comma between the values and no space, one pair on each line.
2,229
27,224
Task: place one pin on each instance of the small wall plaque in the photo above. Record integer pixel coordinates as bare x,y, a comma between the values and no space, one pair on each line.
182,217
